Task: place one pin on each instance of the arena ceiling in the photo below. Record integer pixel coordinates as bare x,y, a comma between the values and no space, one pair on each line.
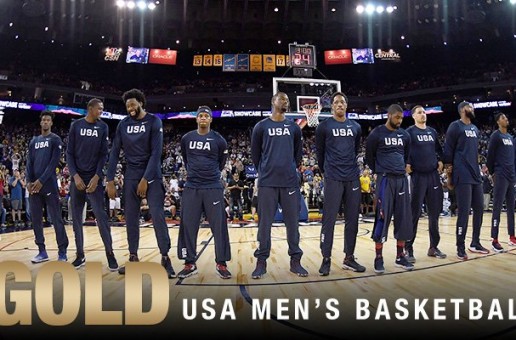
230,25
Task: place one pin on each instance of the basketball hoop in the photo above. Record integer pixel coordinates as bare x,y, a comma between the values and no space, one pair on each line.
312,114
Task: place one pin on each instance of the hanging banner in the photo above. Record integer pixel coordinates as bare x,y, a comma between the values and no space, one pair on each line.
256,63
197,60
269,63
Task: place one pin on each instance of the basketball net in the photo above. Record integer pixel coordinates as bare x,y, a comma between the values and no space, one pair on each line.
312,114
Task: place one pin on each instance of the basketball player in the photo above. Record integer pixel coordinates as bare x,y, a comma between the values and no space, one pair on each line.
86,156
141,136
337,145
387,152
42,161
424,166
500,162
204,153
461,158
276,151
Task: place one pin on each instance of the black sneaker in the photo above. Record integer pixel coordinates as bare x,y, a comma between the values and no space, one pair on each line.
435,252
165,262
111,260
403,262
189,270
351,264
79,262
409,254
461,253
477,248
378,265
260,270
497,248
132,258
297,268
223,271
325,266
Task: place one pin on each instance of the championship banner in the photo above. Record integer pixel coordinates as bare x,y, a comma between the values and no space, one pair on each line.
164,57
256,63
269,63
229,63
207,60
243,62
280,60
197,60
217,60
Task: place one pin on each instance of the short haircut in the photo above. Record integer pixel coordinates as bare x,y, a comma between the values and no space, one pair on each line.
47,113
498,115
338,93
413,110
462,105
394,108
136,94
93,102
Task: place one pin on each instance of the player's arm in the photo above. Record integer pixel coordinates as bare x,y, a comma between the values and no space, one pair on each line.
320,145
223,152
491,152
256,144
406,147
70,155
112,163
184,154
371,149
298,145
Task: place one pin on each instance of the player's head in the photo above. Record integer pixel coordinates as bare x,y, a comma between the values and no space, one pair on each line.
204,116
466,110
339,104
419,114
502,120
394,116
46,120
95,108
280,102
134,100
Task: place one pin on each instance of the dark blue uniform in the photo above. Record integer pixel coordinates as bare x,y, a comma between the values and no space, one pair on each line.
425,152
500,162
204,157
276,151
338,144
142,142
86,156
42,161
461,150
387,154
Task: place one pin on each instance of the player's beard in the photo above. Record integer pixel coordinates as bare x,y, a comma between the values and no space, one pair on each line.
470,115
137,112
392,125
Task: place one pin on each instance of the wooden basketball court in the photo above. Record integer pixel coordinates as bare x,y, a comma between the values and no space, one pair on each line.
331,301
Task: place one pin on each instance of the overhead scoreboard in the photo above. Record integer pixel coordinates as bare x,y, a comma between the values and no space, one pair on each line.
302,56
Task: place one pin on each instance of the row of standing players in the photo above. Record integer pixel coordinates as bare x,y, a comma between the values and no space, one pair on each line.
276,150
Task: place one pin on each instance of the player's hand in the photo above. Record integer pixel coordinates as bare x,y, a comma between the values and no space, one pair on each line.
408,169
440,166
92,185
142,188
29,188
111,190
79,183
36,186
